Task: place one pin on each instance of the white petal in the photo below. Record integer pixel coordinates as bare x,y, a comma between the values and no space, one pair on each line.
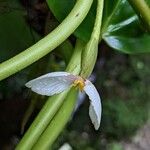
95,108
51,83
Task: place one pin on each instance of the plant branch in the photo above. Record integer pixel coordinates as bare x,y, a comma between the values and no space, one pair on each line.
91,48
51,107
58,122
142,9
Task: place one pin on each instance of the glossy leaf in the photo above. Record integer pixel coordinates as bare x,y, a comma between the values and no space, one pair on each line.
122,30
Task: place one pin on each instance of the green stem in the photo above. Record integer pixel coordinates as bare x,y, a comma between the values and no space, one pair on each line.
41,121
142,9
89,55
48,43
50,108
58,122
60,119
75,63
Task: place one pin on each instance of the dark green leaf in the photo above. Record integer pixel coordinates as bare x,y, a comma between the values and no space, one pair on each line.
122,29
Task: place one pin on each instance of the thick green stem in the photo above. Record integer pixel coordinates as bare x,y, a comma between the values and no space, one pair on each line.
62,116
51,107
41,121
142,9
91,49
75,63
48,43
58,122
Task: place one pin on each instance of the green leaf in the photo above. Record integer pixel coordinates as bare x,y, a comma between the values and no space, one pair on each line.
122,29
61,8
15,33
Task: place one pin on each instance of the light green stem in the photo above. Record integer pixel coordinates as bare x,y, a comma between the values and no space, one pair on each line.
89,55
75,63
58,122
50,108
61,117
41,121
48,43
143,10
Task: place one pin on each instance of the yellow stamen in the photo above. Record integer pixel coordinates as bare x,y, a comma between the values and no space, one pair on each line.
80,83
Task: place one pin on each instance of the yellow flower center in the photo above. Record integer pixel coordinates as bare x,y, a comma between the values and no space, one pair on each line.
80,83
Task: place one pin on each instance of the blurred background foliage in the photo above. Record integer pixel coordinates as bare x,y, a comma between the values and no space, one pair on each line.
123,81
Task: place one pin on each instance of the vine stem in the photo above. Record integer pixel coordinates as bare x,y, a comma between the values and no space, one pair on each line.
62,116
48,43
58,122
142,9
91,48
51,107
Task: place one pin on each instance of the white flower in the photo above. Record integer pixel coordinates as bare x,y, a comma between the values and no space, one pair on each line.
57,82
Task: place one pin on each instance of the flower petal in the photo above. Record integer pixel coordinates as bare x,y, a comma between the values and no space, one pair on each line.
95,108
51,83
